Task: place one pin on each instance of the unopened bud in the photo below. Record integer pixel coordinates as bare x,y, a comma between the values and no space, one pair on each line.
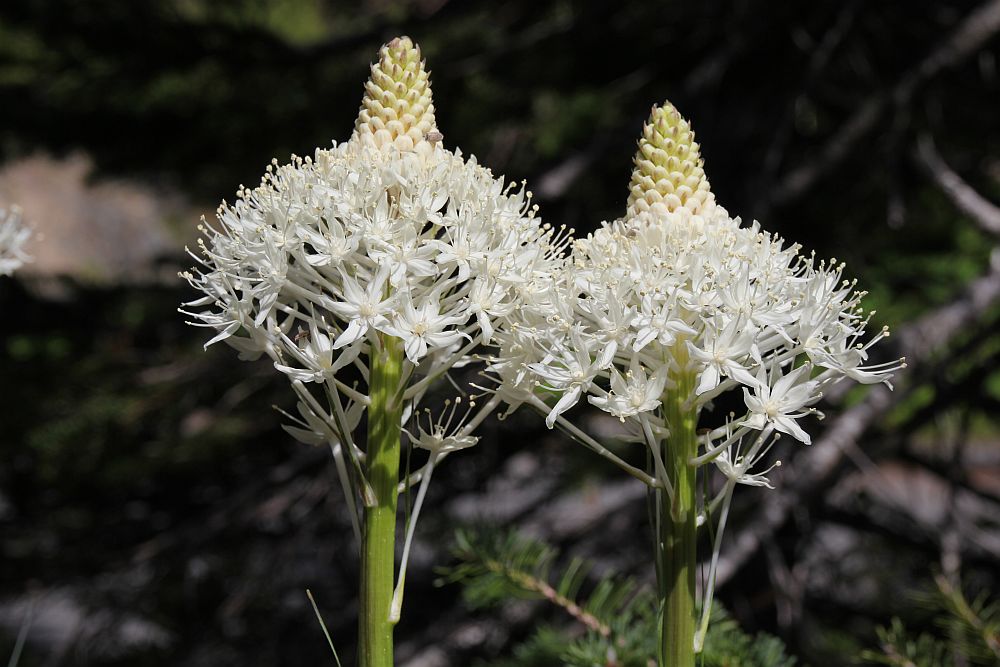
397,109
669,171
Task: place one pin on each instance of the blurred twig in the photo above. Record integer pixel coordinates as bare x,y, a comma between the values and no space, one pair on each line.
983,212
965,40
818,62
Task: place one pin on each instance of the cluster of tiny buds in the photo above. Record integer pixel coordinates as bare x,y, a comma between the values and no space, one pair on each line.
397,109
669,173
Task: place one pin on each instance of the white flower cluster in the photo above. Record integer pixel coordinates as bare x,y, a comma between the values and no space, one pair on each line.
430,249
680,297
14,234
390,245
388,234
387,237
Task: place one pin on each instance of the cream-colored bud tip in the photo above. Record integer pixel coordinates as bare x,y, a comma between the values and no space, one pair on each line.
397,109
669,171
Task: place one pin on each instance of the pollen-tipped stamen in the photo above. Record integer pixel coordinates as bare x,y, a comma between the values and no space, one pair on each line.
669,172
397,109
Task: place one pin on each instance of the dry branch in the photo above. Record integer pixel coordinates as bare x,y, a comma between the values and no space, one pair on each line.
965,40
983,212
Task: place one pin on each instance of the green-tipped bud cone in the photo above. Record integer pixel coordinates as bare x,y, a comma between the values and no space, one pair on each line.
669,173
397,109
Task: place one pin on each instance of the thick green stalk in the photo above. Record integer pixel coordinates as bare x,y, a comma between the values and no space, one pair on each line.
378,552
678,533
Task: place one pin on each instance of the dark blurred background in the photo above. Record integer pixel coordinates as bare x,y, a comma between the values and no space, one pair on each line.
153,512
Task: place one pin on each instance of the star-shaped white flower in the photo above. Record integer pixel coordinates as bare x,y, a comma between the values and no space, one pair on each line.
722,353
364,308
424,326
632,393
783,403
574,371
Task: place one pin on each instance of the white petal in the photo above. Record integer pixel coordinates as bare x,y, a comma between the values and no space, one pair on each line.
709,380
791,427
567,401
355,330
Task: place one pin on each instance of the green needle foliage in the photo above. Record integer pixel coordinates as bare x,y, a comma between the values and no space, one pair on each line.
900,648
969,633
616,621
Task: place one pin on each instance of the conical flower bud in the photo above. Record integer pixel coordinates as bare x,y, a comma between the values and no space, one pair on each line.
669,171
397,109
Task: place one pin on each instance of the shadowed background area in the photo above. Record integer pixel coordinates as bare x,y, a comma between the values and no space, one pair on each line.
153,512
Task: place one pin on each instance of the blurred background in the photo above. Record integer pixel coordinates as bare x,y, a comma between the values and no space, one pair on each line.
153,512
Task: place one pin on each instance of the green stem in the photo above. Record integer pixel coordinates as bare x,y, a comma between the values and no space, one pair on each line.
378,553
677,529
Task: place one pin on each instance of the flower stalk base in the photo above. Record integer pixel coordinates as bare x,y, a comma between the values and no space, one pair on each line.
677,530
378,552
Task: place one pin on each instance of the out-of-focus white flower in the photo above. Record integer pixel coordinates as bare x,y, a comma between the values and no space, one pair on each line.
14,234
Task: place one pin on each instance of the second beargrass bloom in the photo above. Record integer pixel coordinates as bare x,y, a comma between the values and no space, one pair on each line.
678,287
659,314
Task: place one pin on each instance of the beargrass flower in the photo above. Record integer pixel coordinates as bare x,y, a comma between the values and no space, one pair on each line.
14,234
664,310
388,233
692,291
387,244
